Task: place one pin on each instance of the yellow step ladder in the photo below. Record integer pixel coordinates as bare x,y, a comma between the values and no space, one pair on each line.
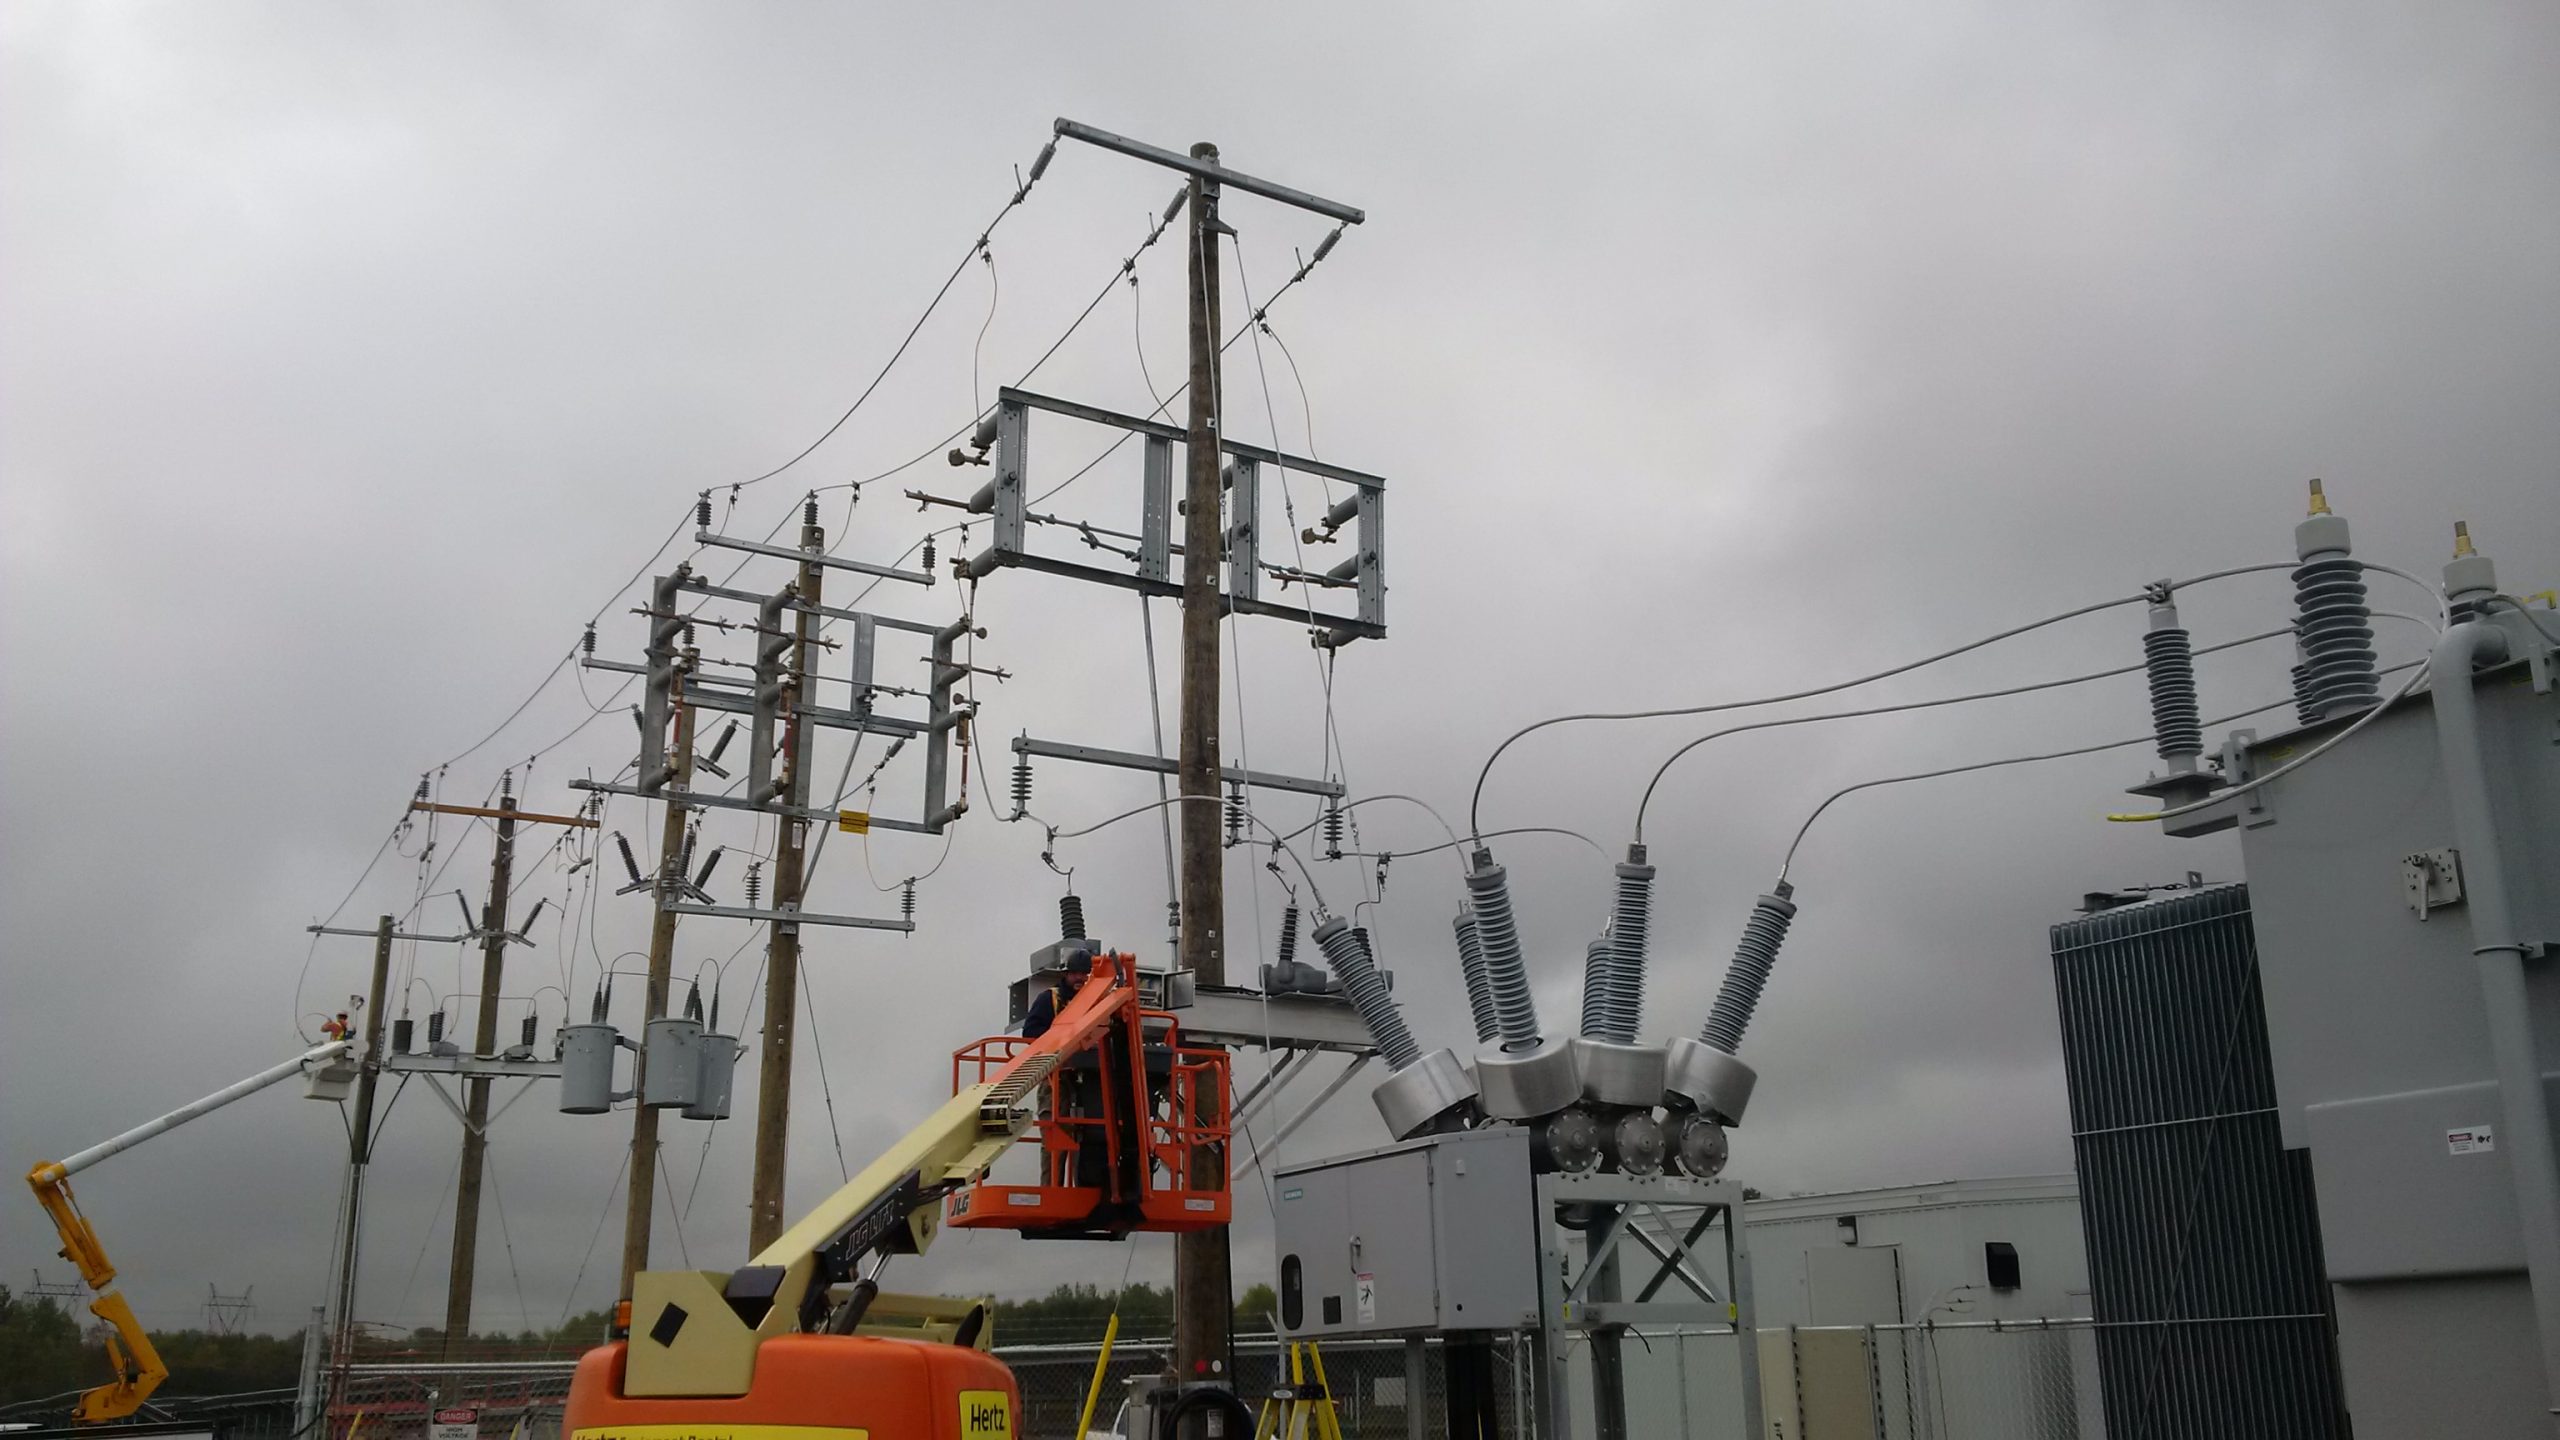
1300,1410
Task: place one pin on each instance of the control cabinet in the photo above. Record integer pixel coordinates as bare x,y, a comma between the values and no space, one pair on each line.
1438,1233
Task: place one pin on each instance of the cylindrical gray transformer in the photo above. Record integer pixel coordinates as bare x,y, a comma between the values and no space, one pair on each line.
717,1067
671,1063
586,1068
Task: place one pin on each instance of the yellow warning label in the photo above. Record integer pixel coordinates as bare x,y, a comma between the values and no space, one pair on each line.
986,1415
714,1430
854,822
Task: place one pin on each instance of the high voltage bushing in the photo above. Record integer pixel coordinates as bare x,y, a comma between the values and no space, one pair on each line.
2335,626
1703,1072
1522,1074
1421,1089
1071,917
1615,1070
2470,581
1286,974
1471,967
2169,663
1595,984
2177,719
1753,957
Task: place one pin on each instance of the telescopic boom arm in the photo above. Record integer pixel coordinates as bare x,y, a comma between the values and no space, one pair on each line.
138,1367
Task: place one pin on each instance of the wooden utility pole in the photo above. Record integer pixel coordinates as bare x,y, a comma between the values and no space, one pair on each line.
1203,1296
640,1201
492,930
359,1155
484,1041
782,953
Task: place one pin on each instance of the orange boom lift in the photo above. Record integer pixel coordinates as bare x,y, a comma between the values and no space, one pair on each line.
1131,1127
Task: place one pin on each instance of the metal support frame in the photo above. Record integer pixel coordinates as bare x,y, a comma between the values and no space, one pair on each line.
1364,573
763,699
1131,760
1584,1289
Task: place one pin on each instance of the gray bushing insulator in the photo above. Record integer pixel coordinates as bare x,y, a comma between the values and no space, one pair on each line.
1471,966
1630,926
1348,949
1536,1079
1698,1076
1506,970
2169,664
1615,1074
1414,1099
2341,673
1754,955
1598,958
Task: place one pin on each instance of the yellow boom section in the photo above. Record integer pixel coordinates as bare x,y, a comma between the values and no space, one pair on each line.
139,1369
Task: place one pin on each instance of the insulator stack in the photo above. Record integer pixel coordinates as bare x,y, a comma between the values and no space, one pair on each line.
809,511
2331,619
1753,958
907,902
1479,986
1333,832
587,642
1506,970
1071,917
1235,816
1597,957
1022,787
2470,580
1287,954
532,1029
2169,661
701,513
628,863
1630,926
755,882
928,554
435,1018
1348,951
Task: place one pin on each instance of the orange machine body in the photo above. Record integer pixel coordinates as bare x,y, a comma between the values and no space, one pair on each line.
812,1387
1133,1125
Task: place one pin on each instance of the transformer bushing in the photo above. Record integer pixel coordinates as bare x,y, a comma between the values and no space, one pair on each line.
2177,719
1422,1088
1630,925
1704,1074
2340,673
1521,1074
1471,966
1596,958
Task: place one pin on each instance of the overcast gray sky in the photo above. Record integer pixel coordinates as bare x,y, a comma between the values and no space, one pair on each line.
351,358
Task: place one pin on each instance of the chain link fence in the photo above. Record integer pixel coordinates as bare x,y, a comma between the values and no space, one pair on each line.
2008,1380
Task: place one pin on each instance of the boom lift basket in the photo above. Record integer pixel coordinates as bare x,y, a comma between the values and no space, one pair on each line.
1132,1128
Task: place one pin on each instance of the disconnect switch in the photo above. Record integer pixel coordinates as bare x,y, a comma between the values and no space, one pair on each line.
2431,879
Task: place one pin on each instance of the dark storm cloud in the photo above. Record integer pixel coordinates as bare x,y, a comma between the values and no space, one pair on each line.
352,358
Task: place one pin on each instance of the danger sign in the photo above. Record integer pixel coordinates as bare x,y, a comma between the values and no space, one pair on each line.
456,1422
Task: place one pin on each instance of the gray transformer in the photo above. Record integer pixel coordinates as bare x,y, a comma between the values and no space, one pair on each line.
2381,1037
